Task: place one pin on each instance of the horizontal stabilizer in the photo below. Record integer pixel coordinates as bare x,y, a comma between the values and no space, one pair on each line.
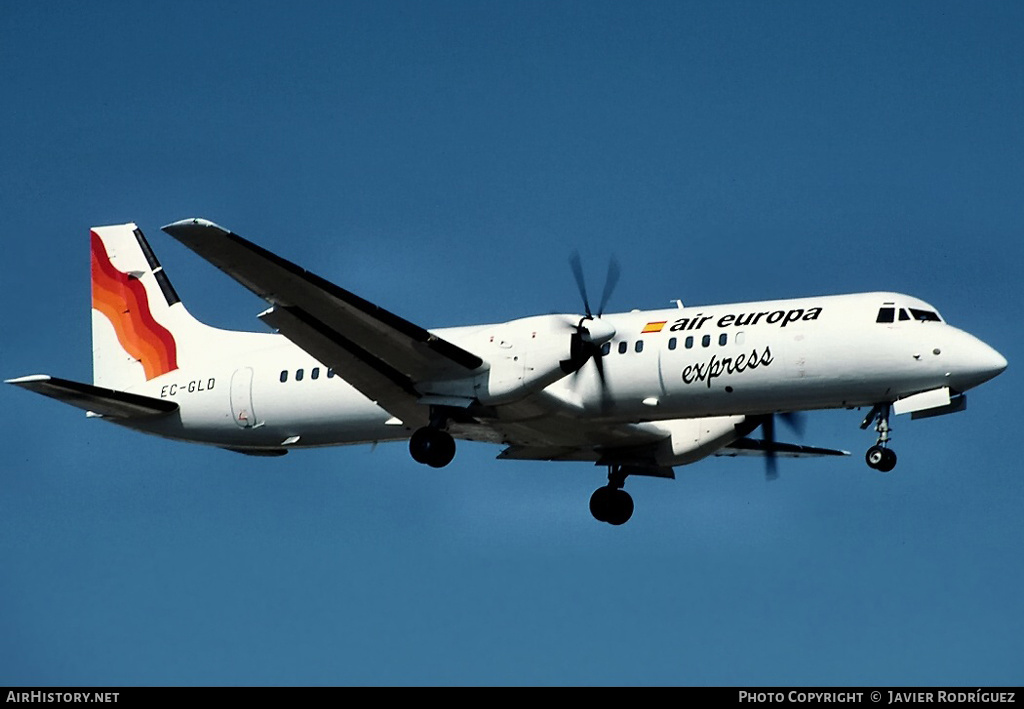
98,400
753,446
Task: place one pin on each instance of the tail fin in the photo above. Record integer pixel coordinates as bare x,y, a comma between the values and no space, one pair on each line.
138,321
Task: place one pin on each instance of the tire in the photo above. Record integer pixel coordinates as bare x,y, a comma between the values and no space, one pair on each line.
621,509
432,447
601,503
875,456
888,460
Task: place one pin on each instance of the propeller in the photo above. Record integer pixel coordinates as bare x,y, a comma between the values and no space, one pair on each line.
610,281
794,421
591,332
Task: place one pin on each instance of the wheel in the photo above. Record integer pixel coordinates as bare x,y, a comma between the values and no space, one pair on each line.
601,503
419,445
621,509
875,456
888,460
432,447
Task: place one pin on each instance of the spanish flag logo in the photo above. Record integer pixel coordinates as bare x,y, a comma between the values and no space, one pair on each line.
653,327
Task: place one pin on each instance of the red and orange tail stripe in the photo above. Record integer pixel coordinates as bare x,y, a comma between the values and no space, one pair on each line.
122,299
653,327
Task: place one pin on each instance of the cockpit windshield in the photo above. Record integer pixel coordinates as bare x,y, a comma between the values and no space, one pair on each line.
888,313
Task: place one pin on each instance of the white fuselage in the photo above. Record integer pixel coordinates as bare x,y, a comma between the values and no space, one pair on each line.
259,391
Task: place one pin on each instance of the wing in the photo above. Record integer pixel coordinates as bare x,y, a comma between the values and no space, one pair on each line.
754,447
94,399
633,446
382,355
645,448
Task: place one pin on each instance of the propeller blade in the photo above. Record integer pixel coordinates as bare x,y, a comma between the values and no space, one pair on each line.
577,354
599,363
604,397
577,271
795,421
771,468
610,281
591,333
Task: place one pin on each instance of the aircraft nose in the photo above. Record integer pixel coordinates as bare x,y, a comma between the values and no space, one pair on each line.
985,362
996,362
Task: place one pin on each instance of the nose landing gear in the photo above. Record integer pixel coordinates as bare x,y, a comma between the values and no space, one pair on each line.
882,459
880,456
611,503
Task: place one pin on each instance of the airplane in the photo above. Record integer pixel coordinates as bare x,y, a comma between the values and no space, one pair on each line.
638,393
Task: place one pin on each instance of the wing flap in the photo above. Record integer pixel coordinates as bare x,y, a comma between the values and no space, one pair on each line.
99,400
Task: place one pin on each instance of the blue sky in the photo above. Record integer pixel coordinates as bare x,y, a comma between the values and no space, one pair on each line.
443,160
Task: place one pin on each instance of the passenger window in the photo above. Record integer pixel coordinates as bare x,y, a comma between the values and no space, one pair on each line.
284,375
606,348
722,339
671,343
689,342
330,373
739,338
885,315
705,341
315,374
298,375
639,346
623,346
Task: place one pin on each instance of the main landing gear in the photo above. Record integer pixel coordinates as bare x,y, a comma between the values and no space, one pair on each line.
432,446
880,456
611,503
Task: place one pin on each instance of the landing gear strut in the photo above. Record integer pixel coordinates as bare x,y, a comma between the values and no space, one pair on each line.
611,503
880,456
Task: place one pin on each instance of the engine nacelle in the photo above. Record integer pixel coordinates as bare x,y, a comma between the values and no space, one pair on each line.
525,357
691,440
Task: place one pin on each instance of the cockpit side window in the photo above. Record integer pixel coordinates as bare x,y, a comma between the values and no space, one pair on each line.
903,315
886,315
